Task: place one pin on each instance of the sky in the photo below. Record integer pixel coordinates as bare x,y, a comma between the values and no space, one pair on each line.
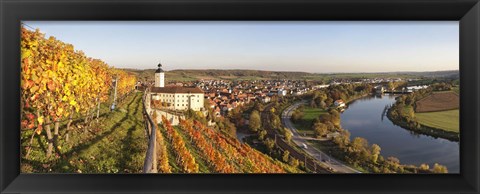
316,46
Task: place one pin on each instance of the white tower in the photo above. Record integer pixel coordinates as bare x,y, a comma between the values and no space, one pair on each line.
160,77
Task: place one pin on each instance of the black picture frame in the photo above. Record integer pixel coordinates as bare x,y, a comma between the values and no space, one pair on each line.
14,11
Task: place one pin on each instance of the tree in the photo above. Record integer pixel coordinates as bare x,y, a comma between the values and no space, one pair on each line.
342,140
287,134
437,168
393,162
255,121
359,144
319,129
424,167
272,110
409,100
391,86
230,128
335,117
322,104
270,144
275,121
324,118
286,156
297,116
294,162
328,102
261,134
319,99
375,150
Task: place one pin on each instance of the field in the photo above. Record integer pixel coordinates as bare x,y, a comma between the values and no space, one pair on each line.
456,90
438,101
447,120
439,110
305,124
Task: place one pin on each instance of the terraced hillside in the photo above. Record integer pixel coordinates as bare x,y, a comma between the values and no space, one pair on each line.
192,147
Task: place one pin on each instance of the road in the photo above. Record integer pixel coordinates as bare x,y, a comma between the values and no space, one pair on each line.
312,164
311,150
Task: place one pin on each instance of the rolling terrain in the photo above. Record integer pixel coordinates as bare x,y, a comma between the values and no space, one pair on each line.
240,74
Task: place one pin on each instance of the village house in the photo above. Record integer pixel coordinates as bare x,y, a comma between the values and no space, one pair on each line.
339,103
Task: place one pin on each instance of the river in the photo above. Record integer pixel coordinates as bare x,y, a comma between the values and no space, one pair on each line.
363,118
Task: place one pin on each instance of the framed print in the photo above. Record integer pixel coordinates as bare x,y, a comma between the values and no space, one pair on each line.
240,96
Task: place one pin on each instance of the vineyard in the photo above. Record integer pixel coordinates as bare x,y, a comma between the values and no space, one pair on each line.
67,124
62,89
196,148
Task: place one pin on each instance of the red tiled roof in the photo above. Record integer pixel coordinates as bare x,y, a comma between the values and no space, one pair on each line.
176,89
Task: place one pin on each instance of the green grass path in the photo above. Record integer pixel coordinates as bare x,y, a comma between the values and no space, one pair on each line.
117,144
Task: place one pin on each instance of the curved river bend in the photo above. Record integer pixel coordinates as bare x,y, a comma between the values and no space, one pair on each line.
363,118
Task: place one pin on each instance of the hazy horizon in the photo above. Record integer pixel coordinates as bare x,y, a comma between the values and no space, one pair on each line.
314,47
298,71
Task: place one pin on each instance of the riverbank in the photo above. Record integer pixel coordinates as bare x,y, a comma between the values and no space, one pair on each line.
365,118
350,100
432,113
364,123
304,125
422,129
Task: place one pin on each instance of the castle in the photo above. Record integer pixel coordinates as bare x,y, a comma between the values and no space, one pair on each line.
176,97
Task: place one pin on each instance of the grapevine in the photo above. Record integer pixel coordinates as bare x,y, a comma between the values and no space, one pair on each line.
57,81
162,153
217,160
184,157
248,158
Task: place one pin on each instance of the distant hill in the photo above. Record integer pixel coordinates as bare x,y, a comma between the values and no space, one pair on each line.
455,74
192,75
241,74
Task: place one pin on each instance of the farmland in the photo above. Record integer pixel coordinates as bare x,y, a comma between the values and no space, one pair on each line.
438,101
446,120
439,110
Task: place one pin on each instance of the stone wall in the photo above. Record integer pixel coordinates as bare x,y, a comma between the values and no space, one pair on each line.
173,119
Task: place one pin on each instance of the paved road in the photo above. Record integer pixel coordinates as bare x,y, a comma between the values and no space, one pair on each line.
316,153
311,163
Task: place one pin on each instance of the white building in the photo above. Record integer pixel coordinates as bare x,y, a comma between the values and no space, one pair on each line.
339,103
266,99
379,89
160,77
320,86
176,97
282,92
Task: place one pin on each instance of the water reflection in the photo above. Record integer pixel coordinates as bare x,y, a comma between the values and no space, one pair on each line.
366,118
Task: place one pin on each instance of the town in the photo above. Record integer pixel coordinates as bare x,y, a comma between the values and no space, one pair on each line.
224,95
218,98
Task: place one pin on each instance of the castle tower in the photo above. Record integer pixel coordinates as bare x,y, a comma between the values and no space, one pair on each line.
160,77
